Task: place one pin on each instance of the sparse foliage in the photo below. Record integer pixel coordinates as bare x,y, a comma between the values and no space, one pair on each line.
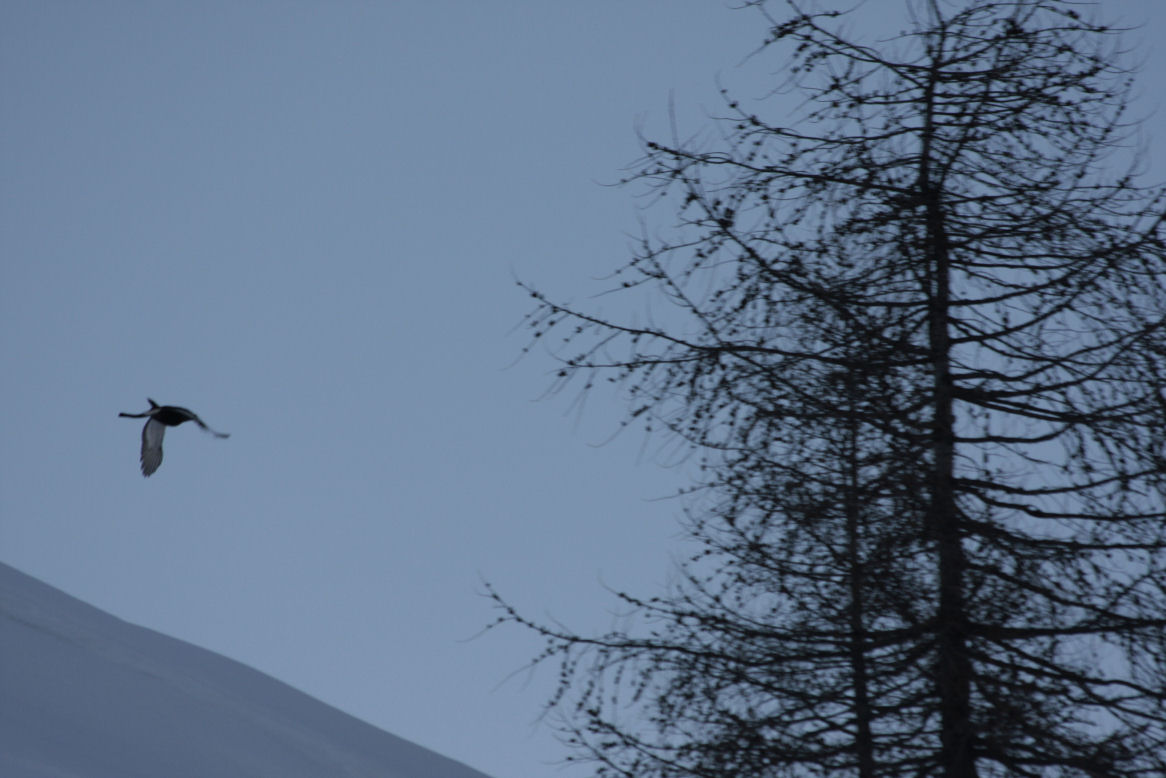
917,340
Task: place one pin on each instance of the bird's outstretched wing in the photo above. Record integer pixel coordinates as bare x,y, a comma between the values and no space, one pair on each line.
202,424
152,435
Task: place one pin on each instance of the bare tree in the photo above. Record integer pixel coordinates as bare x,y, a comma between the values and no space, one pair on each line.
917,339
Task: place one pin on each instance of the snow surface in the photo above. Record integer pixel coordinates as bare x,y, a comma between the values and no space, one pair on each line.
86,695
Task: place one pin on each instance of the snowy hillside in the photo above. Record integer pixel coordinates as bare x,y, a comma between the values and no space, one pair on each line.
86,695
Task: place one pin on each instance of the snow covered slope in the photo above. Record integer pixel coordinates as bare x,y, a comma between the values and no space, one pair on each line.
86,695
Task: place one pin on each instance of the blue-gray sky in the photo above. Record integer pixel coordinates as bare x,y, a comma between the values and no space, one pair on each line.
302,220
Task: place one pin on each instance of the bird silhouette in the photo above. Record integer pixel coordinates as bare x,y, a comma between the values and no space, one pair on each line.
159,418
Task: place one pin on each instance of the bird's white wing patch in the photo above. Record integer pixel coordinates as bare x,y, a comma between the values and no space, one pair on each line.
152,435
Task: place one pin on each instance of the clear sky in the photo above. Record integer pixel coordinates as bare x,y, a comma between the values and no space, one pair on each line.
302,220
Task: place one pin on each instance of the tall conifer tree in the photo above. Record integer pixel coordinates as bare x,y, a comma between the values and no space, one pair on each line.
919,345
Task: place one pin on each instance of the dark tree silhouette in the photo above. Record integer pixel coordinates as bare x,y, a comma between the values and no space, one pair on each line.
917,340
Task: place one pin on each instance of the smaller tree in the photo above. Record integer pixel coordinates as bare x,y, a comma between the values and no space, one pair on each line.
767,653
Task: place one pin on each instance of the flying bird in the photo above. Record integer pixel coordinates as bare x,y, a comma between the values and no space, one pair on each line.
159,417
